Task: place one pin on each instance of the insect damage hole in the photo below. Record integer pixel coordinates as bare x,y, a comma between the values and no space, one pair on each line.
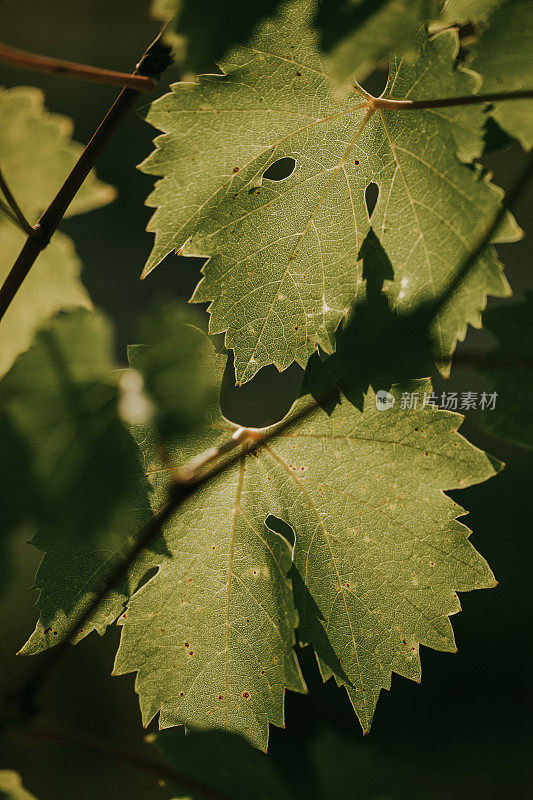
280,169
371,197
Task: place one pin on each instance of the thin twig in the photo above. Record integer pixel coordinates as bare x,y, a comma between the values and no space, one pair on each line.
21,58
69,738
446,102
155,60
14,206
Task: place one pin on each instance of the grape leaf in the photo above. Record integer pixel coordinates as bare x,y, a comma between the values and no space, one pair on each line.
59,406
11,787
203,31
360,34
176,362
510,367
284,255
504,57
236,769
377,558
87,338
36,155
211,634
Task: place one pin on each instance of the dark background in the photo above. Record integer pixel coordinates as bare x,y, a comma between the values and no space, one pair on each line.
465,732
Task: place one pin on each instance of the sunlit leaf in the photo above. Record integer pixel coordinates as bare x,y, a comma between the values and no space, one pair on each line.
36,155
285,255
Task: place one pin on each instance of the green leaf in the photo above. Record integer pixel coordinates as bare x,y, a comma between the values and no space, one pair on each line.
11,787
203,31
36,155
179,367
53,284
285,261
211,634
378,550
81,483
376,562
236,769
360,34
377,559
504,57
510,368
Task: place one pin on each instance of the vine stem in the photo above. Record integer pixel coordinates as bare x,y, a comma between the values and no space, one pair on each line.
14,206
21,58
69,738
445,102
154,61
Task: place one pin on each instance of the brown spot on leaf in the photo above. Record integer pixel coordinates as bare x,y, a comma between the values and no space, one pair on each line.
246,695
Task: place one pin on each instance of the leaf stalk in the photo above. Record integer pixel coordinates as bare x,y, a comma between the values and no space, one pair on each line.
445,102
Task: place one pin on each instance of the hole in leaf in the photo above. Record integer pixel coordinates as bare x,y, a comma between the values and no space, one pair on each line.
279,526
280,169
263,400
371,197
376,82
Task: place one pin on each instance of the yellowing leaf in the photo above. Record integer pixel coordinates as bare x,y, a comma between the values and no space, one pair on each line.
36,155
285,256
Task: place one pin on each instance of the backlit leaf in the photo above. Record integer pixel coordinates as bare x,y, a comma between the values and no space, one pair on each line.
36,155
285,255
